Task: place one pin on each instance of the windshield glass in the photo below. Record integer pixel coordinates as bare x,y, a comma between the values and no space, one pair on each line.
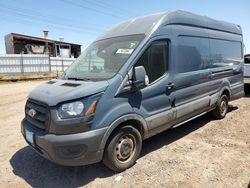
103,59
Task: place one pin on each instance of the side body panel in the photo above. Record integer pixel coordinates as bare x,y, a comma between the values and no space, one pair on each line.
230,72
198,88
191,78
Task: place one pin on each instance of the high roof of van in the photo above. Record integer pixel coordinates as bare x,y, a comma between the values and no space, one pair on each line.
150,23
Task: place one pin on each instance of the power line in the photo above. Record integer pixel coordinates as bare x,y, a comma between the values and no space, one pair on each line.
106,6
92,9
32,21
26,12
105,3
56,16
38,19
26,16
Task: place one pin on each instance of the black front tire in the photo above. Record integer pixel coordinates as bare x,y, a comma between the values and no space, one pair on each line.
222,107
123,149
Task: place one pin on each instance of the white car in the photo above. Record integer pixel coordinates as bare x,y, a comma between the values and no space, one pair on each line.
247,69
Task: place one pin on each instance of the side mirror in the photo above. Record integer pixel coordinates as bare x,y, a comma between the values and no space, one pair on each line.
140,78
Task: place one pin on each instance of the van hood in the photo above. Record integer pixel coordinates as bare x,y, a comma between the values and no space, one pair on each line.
56,91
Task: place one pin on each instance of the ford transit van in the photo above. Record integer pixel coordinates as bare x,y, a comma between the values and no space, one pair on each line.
139,78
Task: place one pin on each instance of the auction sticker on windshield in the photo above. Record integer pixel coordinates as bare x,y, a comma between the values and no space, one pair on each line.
124,51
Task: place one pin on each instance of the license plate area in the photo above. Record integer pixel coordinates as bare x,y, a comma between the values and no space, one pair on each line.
29,136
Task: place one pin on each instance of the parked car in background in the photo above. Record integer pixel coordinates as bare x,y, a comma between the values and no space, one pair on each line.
247,69
139,78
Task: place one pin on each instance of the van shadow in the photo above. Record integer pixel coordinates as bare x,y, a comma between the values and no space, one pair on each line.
172,135
39,172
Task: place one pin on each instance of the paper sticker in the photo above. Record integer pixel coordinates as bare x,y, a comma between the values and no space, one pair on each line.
124,51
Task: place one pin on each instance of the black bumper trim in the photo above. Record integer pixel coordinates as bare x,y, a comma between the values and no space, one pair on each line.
52,146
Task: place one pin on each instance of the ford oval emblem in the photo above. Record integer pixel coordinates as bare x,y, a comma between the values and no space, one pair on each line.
32,112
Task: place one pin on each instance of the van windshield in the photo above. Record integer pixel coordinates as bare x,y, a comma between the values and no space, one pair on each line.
103,59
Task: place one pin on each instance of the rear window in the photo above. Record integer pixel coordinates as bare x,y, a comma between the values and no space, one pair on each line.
225,53
193,54
198,53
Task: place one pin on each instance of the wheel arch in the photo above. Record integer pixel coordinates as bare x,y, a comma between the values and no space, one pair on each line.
134,119
225,90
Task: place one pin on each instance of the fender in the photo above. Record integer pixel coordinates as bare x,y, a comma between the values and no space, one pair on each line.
225,86
120,120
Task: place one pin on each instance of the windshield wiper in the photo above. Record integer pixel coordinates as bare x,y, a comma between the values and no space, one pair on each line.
75,78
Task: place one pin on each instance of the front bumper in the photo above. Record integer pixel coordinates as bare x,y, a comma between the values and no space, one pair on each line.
69,150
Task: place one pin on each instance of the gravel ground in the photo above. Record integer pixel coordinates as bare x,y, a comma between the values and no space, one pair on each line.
202,153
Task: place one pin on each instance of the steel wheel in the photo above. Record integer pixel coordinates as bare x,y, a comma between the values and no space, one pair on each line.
123,149
222,107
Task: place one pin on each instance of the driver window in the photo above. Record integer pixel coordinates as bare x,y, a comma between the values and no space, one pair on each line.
155,60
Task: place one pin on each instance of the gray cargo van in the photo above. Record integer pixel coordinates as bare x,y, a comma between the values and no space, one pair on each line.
139,78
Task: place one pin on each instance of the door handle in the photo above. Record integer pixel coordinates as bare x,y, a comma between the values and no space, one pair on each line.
170,86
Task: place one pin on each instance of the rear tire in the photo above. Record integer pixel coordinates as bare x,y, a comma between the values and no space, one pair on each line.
222,107
123,149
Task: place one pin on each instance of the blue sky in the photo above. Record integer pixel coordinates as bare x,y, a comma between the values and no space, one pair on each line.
81,21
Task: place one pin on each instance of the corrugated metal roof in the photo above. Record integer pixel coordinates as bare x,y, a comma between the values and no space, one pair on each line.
17,35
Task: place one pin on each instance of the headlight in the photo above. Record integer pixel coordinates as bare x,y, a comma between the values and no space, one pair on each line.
79,108
72,109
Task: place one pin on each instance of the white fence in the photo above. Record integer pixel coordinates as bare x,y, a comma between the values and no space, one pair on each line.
60,64
27,63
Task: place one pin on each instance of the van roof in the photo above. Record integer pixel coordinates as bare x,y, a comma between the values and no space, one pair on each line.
150,23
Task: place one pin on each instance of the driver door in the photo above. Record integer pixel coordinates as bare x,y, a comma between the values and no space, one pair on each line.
154,99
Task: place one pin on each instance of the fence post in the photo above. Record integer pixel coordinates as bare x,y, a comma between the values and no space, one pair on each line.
49,63
56,68
62,65
21,63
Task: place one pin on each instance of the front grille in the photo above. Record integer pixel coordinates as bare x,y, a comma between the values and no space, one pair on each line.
41,117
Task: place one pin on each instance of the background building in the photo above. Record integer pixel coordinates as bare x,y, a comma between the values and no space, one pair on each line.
23,44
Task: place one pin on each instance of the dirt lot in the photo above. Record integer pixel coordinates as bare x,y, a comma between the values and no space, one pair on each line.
201,153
